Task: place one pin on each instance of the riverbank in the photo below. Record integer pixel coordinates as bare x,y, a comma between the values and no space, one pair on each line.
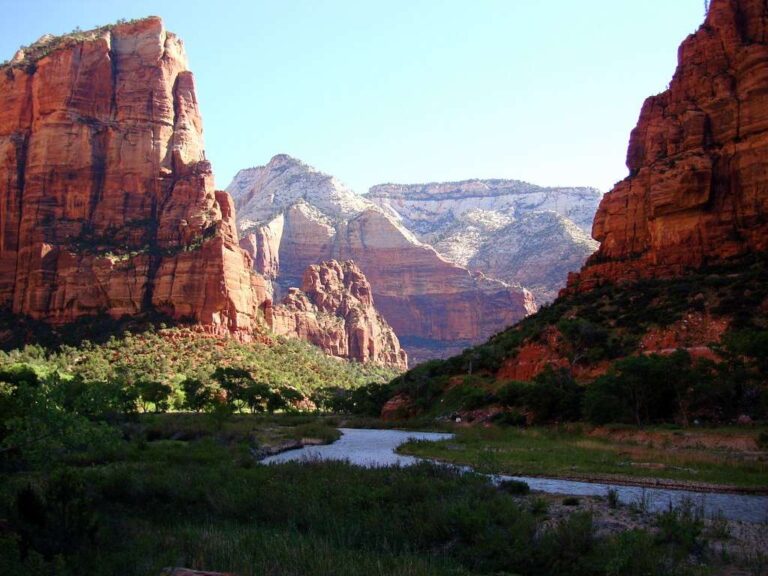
706,460
670,459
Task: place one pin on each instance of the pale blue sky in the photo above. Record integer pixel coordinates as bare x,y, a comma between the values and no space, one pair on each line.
409,90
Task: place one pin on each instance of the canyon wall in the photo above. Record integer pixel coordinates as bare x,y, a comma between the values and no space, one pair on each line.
107,203
697,193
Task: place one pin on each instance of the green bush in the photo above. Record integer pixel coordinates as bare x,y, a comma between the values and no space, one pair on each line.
682,527
554,396
514,487
510,418
198,395
154,393
513,393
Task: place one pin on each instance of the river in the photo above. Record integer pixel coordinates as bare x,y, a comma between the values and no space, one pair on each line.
376,448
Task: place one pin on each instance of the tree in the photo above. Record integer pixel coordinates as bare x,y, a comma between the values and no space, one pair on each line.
156,393
641,389
96,400
257,396
197,394
37,428
554,395
235,383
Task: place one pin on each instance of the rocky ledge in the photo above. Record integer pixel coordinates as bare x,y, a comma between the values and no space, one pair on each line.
334,310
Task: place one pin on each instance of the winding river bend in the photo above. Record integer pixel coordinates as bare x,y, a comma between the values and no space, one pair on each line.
377,448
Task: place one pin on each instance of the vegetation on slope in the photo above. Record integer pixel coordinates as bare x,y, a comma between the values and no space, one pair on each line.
39,49
603,374
51,401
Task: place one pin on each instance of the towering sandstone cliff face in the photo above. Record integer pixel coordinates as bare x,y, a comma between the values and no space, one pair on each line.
292,216
698,187
107,204
334,310
694,204
511,230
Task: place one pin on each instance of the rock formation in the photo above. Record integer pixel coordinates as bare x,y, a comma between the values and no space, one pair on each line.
335,311
683,263
538,250
697,189
107,204
292,216
511,230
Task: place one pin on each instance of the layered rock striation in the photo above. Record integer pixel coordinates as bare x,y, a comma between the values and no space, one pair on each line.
507,229
334,310
684,238
292,216
107,203
697,192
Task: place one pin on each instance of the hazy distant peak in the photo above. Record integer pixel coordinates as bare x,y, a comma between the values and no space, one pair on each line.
262,192
473,188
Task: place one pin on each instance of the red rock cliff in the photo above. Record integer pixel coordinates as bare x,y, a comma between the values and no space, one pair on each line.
107,204
698,186
334,310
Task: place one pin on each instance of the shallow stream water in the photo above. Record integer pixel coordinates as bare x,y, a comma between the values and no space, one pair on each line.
377,448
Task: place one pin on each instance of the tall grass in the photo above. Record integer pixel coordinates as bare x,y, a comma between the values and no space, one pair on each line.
198,504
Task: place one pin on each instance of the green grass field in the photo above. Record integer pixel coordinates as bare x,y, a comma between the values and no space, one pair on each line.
573,454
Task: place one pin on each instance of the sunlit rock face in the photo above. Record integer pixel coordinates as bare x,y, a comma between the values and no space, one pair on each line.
334,309
107,203
698,187
511,230
292,216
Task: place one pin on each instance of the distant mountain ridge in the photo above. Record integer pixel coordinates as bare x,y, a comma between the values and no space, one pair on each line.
507,229
291,216
417,204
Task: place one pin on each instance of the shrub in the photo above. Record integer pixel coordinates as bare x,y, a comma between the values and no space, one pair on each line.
511,418
613,498
554,396
474,398
60,519
681,526
632,553
513,393
517,487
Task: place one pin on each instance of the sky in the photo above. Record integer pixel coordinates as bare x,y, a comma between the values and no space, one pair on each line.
408,91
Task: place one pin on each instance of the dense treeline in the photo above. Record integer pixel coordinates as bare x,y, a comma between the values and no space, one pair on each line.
640,390
56,402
